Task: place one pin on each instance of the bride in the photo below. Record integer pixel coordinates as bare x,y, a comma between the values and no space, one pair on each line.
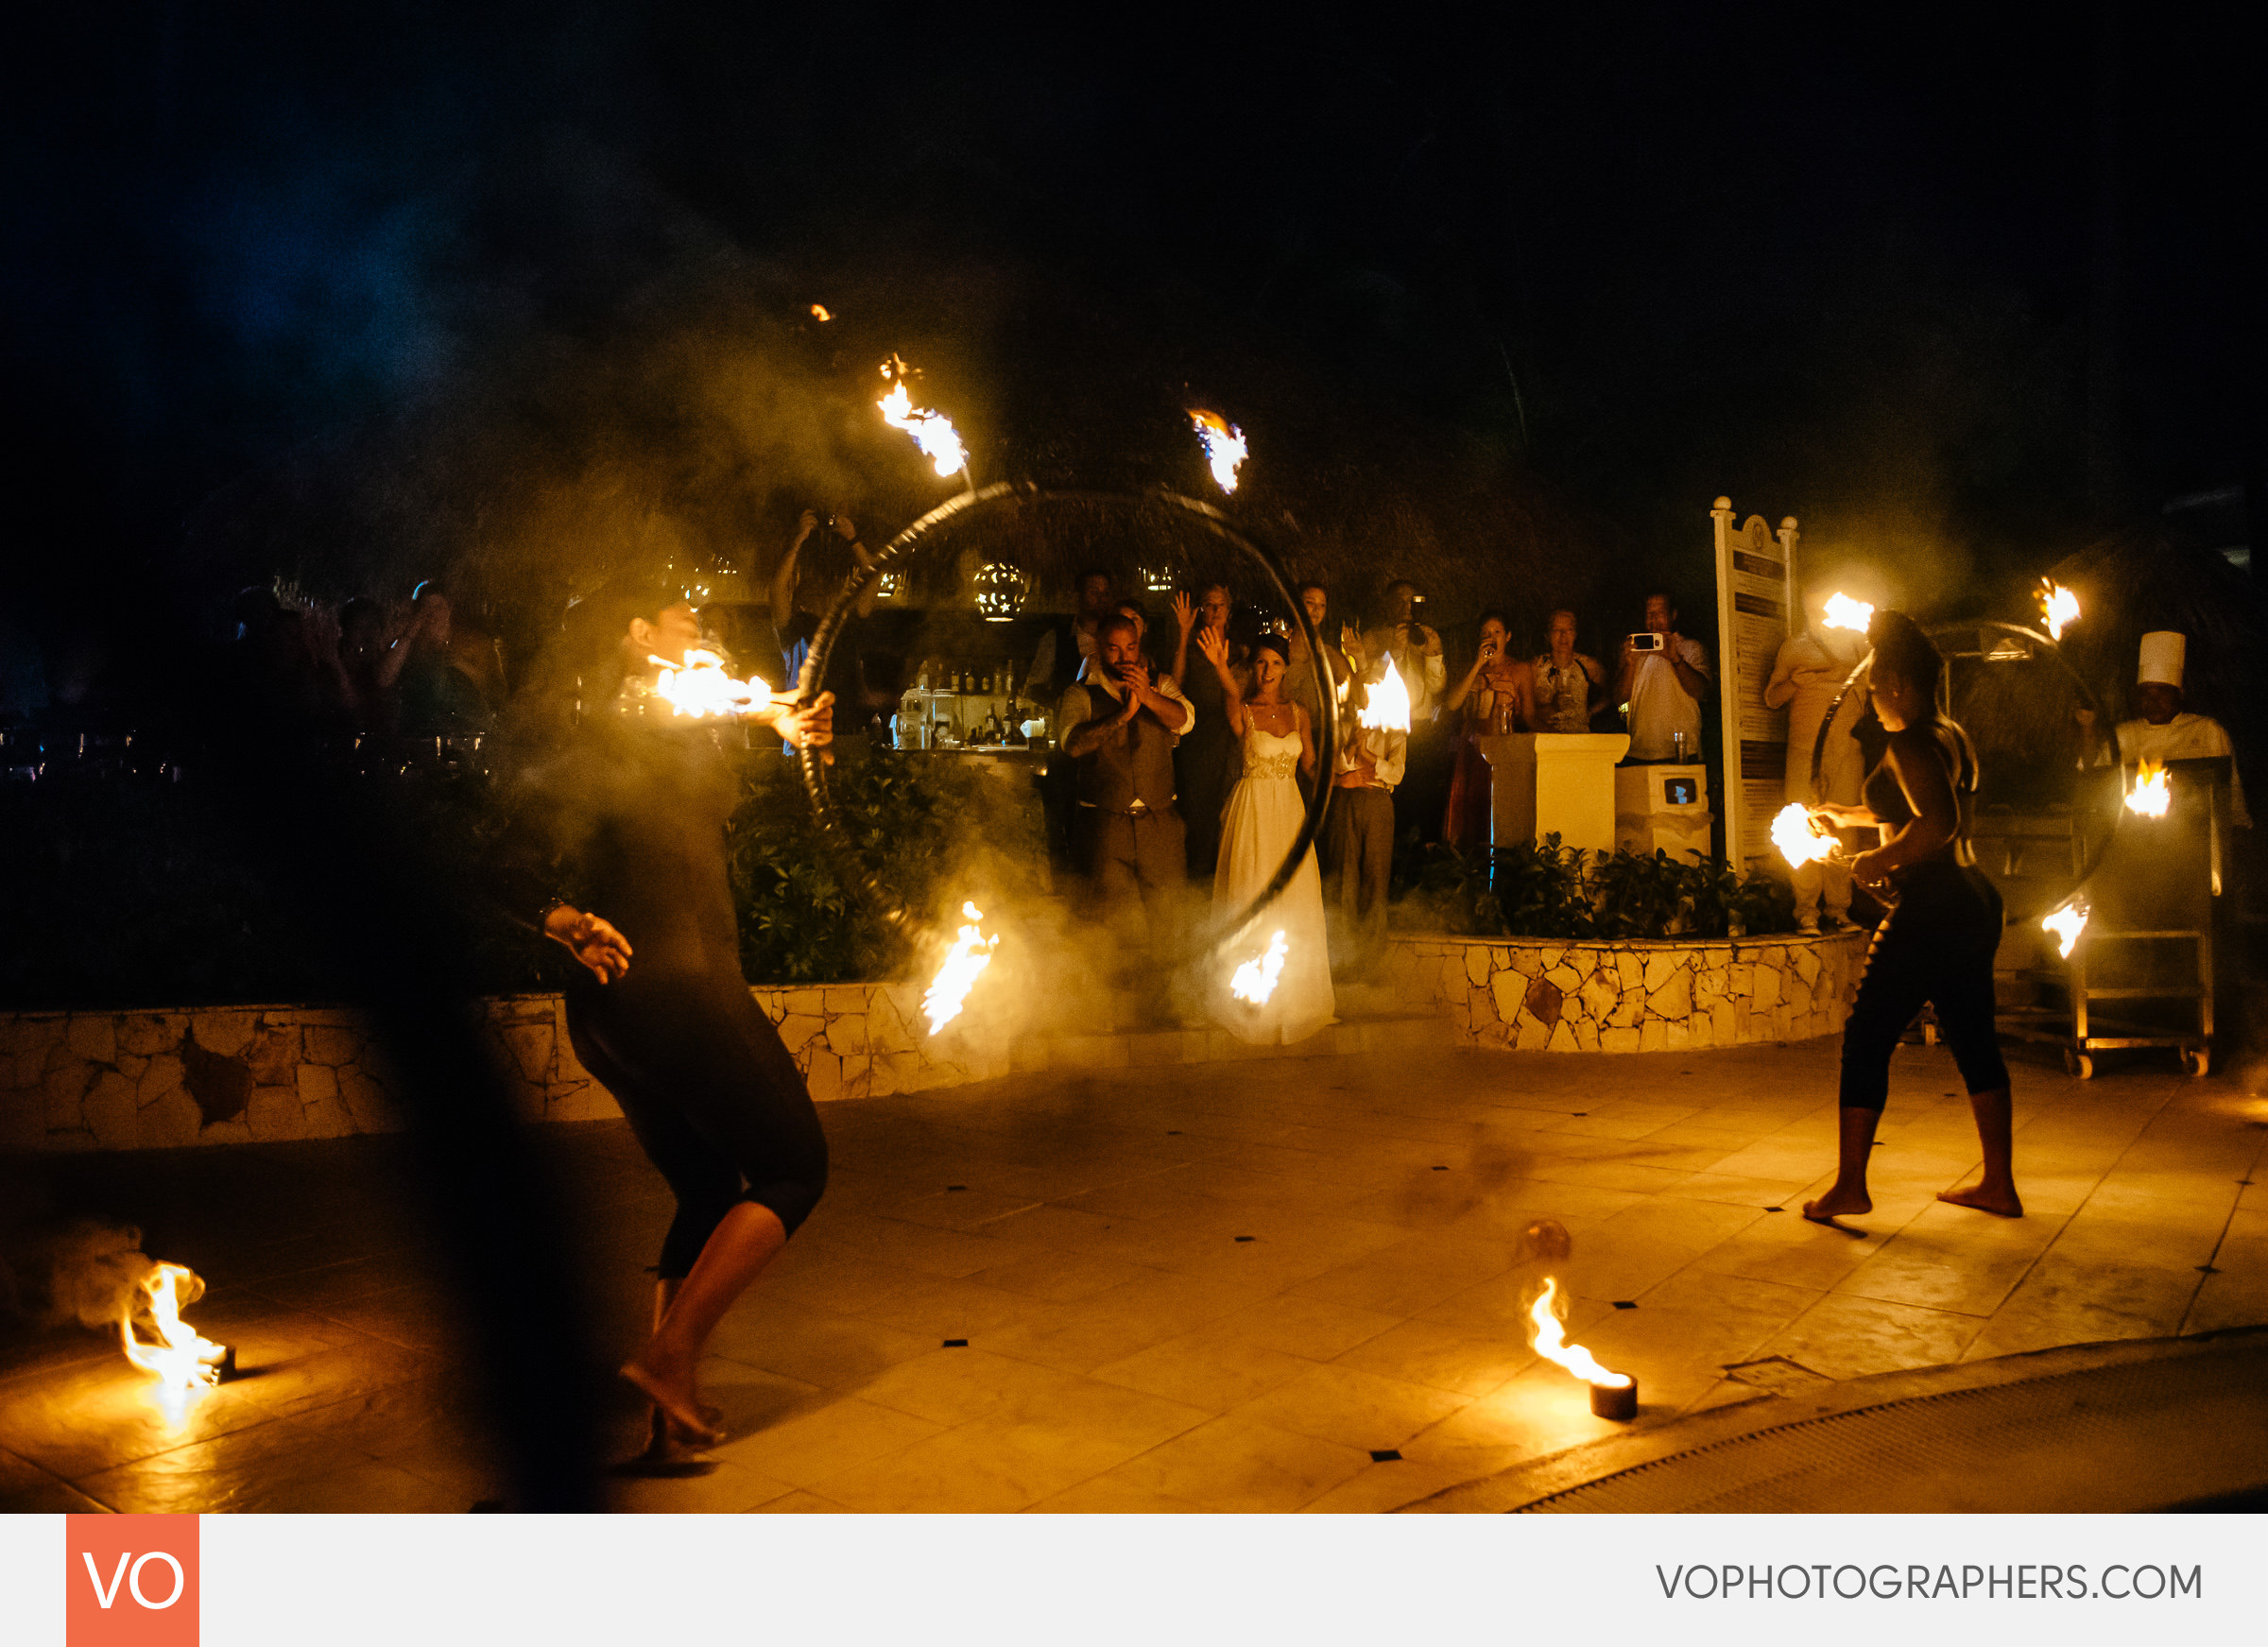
1258,827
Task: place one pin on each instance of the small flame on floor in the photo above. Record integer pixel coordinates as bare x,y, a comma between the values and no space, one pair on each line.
2153,792
970,955
1845,613
1389,707
1797,841
932,433
1255,981
2057,606
1224,443
2067,924
1551,1341
181,1360
699,687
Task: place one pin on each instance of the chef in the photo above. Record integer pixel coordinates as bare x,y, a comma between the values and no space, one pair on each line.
2165,730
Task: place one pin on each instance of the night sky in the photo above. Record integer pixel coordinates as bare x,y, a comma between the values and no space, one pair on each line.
1860,265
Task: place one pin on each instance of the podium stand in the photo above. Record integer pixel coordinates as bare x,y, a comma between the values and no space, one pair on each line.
1542,783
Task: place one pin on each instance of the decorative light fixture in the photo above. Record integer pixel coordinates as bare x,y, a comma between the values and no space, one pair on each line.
890,586
1157,579
1000,591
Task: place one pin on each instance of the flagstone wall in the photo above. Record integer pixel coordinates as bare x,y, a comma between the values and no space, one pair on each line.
1639,997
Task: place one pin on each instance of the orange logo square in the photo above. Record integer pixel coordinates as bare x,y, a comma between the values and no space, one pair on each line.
131,1581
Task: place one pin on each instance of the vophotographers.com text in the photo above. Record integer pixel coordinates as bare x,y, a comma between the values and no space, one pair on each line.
2027,1581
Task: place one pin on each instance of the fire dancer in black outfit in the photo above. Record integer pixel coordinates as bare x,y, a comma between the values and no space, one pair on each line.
1937,943
631,815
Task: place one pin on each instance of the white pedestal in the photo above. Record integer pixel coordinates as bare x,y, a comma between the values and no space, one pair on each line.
1562,783
1664,806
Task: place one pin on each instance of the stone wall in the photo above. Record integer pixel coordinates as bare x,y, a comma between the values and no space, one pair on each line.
1649,996
243,1075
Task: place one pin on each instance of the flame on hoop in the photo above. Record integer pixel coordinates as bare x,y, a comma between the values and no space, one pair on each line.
2153,792
699,687
2067,924
181,1360
820,313
1389,707
972,953
932,433
2057,606
1797,841
1224,443
1551,1341
1845,613
1255,981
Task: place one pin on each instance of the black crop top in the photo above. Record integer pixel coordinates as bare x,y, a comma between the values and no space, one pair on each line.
1944,742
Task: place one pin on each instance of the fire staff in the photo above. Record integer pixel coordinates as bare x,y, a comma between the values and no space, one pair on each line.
1937,943
630,816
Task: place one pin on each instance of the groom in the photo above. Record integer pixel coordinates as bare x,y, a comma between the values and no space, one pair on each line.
1127,836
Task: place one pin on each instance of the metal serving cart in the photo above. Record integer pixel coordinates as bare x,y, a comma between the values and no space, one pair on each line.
2141,972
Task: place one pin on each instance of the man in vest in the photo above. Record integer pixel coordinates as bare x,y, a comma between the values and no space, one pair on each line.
1119,729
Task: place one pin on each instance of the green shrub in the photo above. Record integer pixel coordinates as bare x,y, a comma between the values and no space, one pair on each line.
1548,890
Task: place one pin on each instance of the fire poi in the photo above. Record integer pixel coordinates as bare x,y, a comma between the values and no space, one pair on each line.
1613,1394
1799,839
932,432
1389,707
2067,924
182,1359
700,687
1224,443
1255,981
2057,606
972,953
2153,792
1845,613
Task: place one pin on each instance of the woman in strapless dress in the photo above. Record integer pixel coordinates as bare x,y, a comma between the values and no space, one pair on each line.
1285,951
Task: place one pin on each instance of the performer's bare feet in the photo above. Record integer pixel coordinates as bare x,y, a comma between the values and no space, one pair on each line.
1837,1203
1996,1199
678,1405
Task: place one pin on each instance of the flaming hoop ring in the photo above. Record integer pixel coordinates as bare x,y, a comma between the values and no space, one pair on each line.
901,549
1938,636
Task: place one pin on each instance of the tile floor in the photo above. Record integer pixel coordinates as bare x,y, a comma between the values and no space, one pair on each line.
1230,1287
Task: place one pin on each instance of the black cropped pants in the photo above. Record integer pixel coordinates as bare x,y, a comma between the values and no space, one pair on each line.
1936,947
713,1095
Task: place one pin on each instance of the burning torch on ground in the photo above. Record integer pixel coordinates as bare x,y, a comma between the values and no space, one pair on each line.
182,1359
1613,1394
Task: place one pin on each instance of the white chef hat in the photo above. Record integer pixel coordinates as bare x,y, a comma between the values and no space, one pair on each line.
2164,651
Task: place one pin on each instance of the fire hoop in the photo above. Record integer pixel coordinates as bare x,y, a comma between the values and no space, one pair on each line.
900,549
1938,637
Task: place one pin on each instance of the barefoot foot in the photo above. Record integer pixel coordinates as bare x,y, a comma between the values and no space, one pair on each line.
1837,1203
686,1421
1987,1199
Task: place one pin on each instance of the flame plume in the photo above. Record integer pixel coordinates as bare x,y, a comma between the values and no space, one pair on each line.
2067,924
932,433
1797,841
181,1360
970,955
699,687
1224,443
2153,792
1845,613
2057,606
1255,981
1389,707
1551,1343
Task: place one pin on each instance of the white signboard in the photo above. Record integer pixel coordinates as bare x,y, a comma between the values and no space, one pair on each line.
1756,596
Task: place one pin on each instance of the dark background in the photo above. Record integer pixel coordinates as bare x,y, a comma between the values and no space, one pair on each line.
353,294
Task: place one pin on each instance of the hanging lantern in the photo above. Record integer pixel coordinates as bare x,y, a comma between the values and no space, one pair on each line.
1000,591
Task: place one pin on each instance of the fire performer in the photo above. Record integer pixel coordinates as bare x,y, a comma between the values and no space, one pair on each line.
632,821
1937,944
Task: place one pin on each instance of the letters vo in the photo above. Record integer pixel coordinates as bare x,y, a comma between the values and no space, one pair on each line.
131,1581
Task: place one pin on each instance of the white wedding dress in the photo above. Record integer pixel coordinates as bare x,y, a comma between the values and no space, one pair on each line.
1258,826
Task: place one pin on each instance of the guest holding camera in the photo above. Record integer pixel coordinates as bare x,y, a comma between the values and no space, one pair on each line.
1663,677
